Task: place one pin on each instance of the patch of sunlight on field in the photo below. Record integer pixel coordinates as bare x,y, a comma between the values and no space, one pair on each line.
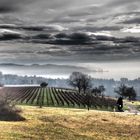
135,102
71,124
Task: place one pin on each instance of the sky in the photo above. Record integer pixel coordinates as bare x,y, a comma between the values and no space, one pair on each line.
92,35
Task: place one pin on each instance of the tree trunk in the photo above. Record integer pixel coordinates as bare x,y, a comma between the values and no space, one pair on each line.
84,91
79,90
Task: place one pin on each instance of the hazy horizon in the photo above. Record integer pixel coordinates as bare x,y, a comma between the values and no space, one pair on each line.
115,70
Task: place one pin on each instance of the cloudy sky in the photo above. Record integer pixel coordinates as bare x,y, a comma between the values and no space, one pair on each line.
92,35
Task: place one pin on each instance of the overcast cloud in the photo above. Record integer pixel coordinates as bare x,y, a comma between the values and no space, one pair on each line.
44,31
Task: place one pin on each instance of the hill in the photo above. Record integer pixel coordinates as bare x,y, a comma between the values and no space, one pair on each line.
71,124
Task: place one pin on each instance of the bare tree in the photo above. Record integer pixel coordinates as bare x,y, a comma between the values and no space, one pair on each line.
75,80
121,90
80,81
98,91
86,82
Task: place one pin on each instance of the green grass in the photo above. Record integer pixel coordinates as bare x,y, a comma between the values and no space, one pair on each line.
50,123
135,104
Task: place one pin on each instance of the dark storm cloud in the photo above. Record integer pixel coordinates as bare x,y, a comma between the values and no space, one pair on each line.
75,38
8,9
92,46
10,35
49,28
42,36
132,21
101,51
95,29
104,38
107,28
129,39
76,28
46,48
72,39
8,26
63,38
7,6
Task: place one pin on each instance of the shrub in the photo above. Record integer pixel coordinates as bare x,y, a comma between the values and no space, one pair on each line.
44,84
8,111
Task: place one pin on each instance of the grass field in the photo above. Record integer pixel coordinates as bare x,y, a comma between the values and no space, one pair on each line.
71,124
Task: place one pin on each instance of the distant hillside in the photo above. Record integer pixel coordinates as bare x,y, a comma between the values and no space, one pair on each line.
50,66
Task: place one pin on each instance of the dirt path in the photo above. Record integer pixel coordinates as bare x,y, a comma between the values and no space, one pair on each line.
132,108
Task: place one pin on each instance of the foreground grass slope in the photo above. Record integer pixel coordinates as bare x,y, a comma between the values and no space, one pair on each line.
71,124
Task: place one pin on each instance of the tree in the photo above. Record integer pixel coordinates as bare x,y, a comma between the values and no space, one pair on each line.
125,92
80,81
101,88
88,100
98,91
131,93
121,90
86,82
44,84
75,80
83,83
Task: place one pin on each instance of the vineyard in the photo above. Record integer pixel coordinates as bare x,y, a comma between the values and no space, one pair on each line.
50,96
